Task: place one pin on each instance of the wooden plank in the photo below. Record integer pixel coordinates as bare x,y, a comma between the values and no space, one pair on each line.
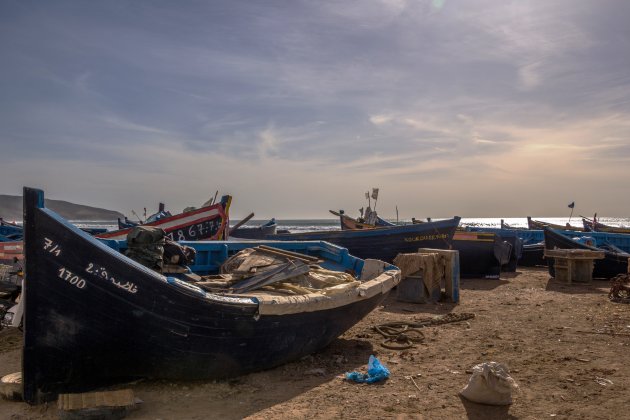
117,398
284,253
241,223
575,254
284,272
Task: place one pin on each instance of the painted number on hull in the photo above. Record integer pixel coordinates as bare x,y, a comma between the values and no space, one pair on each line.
102,273
52,247
72,278
426,237
201,230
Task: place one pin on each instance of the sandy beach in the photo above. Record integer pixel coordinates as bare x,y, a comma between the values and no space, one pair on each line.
565,345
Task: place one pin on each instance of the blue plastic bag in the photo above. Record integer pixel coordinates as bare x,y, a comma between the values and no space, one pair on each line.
376,372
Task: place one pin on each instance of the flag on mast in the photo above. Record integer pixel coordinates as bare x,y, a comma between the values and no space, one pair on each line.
375,193
572,205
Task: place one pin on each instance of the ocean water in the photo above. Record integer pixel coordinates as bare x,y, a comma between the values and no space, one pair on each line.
307,225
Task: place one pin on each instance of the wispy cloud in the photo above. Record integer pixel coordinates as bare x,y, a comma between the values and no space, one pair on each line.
454,99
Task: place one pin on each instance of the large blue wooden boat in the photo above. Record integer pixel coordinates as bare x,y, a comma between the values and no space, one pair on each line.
10,232
94,317
384,243
533,246
482,254
615,261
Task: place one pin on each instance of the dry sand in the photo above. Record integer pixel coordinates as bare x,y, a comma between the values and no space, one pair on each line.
567,347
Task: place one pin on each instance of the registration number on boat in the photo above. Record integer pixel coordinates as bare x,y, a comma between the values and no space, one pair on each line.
426,237
201,230
72,278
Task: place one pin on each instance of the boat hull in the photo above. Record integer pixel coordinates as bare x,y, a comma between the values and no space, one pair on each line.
94,317
613,263
386,242
10,232
596,226
481,254
533,255
209,222
347,222
538,225
258,232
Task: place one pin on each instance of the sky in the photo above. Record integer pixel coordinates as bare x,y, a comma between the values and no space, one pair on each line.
476,108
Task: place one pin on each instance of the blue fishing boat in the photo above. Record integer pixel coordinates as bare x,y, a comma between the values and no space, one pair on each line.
533,241
482,254
10,231
255,232
384,243
94,317
615,261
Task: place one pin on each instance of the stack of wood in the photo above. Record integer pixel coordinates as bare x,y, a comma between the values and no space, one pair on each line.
254,268
273,270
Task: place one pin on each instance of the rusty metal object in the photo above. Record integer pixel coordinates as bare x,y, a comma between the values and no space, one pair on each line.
620,289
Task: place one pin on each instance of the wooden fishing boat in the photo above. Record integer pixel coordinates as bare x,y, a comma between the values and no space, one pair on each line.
10,238
161,213
205,223
539,225
619,240
126,223
255,232
481,254
596,226
533,241
515,252
350,223
533,255
589,226
613,263
10,232
95,317
386,242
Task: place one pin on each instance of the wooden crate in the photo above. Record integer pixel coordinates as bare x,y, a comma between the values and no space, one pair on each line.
574,265
425,273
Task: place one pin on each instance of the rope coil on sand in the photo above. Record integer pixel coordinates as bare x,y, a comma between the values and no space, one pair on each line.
400,335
